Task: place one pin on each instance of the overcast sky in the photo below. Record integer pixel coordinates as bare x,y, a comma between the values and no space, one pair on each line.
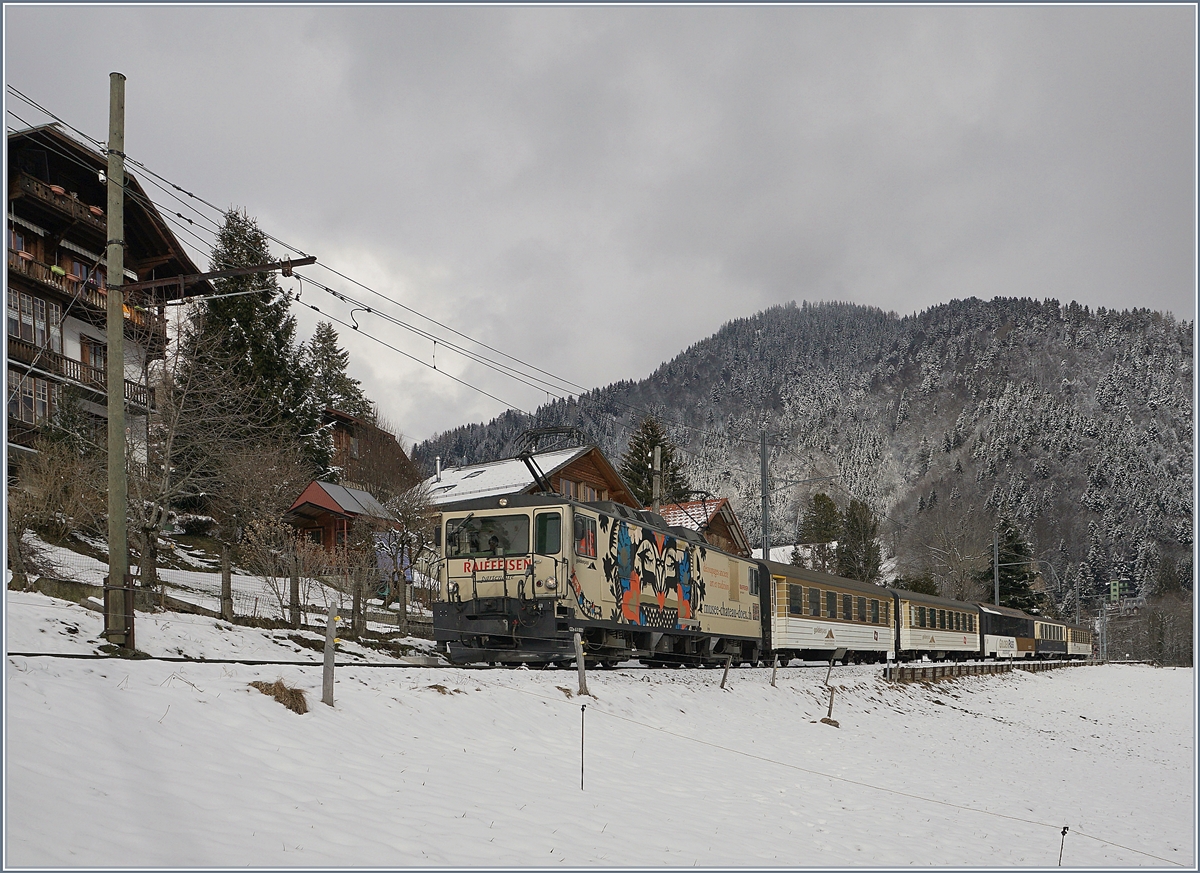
594,189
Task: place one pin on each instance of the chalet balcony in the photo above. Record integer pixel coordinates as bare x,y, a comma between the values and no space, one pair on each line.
141,323
92,378
64,205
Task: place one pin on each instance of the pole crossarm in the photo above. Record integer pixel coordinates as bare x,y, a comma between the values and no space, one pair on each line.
284,266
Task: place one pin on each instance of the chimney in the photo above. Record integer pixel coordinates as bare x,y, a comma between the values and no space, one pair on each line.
438,464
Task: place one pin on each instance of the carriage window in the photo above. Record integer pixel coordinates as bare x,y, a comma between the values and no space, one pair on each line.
874,612
752,578
847,607
795,600
494,535
941,619
887,612
585,536
920,616
549,533
862,609
814,601
831,604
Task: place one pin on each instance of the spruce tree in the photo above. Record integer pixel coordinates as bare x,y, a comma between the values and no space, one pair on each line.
249,327
858,553
1017,571
637,464
332,386
820,528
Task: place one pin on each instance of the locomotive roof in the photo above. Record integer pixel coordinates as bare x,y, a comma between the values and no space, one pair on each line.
816,577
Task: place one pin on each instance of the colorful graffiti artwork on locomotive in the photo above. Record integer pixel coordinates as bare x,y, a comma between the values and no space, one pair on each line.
589,609
638,560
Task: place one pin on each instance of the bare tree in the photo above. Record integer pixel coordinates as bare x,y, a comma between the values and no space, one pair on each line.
951,543
400,545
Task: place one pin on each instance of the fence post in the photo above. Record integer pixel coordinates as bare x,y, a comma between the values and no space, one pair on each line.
728,661
330,638
294,594
583,689
226,583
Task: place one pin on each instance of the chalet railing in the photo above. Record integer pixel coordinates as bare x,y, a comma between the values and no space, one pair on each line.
84,292
78,372
26,185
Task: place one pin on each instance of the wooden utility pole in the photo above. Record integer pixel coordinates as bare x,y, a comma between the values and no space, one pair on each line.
656,482
115,613
766,496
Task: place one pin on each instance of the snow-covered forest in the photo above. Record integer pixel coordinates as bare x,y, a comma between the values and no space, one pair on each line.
1074,424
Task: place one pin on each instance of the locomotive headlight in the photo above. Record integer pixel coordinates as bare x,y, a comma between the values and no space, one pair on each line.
551,585
452,588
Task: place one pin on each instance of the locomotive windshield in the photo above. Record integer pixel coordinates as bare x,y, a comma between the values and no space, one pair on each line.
470,537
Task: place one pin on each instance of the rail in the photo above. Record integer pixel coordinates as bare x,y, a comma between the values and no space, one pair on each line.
88,293
66,202
78,372
936,672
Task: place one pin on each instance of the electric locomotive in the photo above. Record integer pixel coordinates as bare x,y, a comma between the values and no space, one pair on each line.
519,576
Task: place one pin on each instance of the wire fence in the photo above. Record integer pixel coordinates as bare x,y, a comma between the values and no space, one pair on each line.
189,579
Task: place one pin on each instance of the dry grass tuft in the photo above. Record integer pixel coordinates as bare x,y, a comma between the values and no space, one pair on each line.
292,698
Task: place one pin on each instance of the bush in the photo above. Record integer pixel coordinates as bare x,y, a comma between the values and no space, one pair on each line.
292,698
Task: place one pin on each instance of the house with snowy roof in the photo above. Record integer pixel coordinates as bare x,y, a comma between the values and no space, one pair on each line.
581,472
324,512
714,518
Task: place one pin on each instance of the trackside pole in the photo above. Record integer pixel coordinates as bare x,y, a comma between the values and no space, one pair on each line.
728,661
774,667
579,661
582,716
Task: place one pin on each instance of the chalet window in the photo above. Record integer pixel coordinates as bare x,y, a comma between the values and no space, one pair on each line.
585,536
831,604
566,488
862,608
548,533
16,240
79,269
795,600
30,399
34,320
93,353
313,535
354,447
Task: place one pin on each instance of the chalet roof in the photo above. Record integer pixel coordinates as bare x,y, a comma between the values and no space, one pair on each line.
699,515
496,478
337,499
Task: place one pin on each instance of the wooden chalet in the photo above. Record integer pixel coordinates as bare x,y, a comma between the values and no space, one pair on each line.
715,519
58,288
367,454
582,473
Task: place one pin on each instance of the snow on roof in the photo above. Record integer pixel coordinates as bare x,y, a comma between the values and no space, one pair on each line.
493,479
691,514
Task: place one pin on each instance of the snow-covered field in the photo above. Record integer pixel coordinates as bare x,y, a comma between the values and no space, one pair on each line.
149,763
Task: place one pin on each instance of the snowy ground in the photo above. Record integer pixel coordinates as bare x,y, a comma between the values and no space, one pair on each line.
148,763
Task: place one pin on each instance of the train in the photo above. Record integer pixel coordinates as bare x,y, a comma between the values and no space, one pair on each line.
521,576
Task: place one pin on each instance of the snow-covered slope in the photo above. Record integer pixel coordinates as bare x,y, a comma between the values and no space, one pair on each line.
149,763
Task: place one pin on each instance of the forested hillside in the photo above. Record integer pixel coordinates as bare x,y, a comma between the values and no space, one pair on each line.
1073,424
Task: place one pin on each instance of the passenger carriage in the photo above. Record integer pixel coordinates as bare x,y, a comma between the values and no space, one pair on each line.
813,614
520,575
1049,638
1079,641
936,627
1005,632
